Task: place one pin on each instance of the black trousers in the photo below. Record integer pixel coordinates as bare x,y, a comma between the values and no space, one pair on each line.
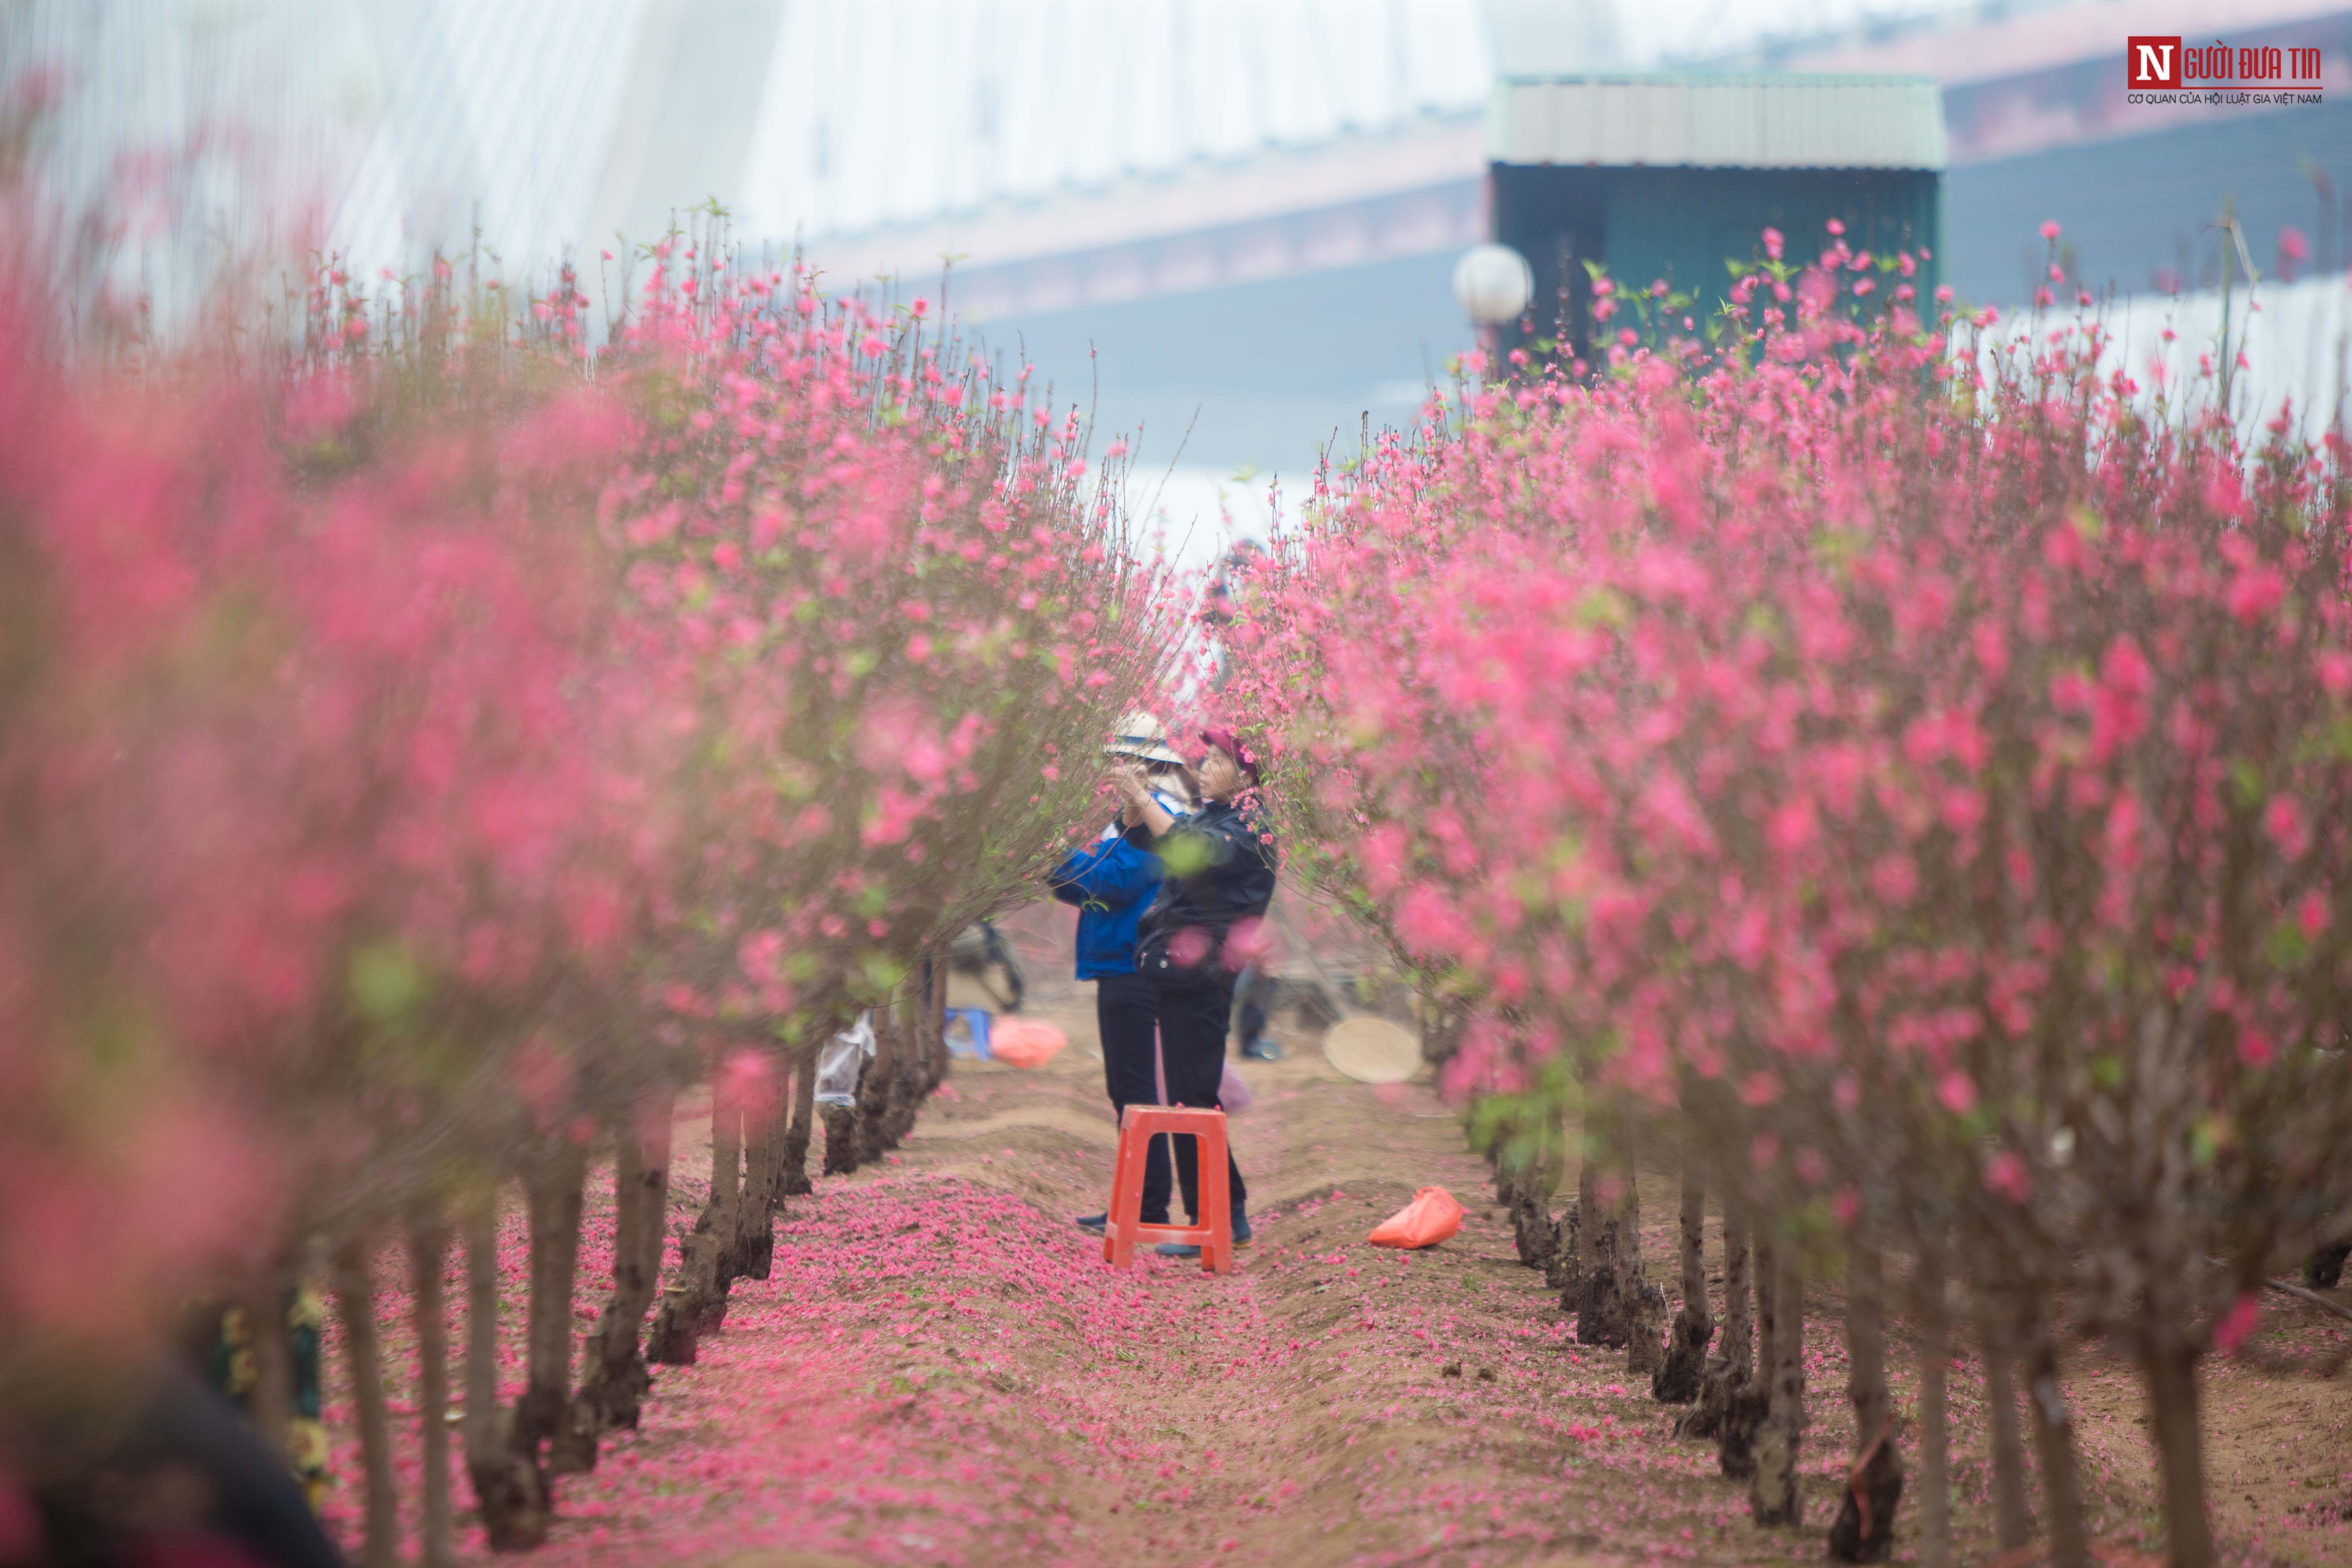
1195,1007
251,1501
1250,992
1128,1020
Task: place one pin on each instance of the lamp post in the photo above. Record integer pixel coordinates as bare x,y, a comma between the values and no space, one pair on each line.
1493,284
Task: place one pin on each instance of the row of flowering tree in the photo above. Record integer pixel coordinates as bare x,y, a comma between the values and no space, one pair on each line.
1916,789
428,742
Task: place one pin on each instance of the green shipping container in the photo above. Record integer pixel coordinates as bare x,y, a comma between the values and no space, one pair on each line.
1671,177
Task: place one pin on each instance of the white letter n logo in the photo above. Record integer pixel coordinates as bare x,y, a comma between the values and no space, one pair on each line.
2155,63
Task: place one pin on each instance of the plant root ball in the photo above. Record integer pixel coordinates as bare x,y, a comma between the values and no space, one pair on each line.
1744,1409
1684,1368
1864,1530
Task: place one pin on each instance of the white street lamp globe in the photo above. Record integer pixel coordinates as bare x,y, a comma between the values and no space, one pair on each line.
1493,283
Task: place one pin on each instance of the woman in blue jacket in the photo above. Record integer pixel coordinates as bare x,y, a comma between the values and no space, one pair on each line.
1219,879
1112,882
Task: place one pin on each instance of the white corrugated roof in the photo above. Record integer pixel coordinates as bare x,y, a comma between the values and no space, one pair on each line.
380,127
500,114
1719,121
889,112
376,128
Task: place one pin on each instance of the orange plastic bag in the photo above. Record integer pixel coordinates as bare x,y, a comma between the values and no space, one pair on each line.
1024,1042
1430,1218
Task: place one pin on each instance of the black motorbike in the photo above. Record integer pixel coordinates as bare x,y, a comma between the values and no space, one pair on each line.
980,951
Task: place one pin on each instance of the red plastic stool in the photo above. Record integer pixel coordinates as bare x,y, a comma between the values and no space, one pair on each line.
1123,1228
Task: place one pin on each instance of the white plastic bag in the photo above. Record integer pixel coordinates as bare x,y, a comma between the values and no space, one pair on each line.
841,1059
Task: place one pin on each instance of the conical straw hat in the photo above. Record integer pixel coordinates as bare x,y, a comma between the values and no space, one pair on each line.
1141,735
1372,1050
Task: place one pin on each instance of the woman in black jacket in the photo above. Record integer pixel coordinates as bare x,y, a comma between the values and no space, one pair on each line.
1221,865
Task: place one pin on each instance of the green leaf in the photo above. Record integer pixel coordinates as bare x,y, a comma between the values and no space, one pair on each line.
1601,606
386,982
1183,854
882,972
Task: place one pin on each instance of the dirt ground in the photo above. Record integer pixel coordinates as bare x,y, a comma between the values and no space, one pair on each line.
942,1370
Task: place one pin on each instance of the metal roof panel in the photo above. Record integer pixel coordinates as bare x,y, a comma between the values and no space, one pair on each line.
1724,122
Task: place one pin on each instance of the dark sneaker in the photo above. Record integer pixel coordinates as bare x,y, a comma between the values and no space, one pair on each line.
1262,1051
1092,1221
1186,1249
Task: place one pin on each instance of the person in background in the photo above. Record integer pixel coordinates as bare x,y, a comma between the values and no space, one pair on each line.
228,1362
1249,1013
151,1465
1253,985
1221,864
1111,880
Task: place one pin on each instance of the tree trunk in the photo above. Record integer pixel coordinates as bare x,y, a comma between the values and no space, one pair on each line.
1532,1231
1935,1417
1772,1497
862,1122
2324,1270
1525,1194
1678,1378
2053,1444
936,968
840,1139
554,1185
1733,1360
1564,1267
2012,1527
1561,1274
841,1132
911,1079
794,1182
694,1304
509,1495
270,1405
355,1304
1750,1399
715,1226
719,1216
1645,1304
613,1383
555,1188
480,1234
2173,1419
428,1254
1601,1313
755,1214
658,1131
878,1101
614,1374
1865,1530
